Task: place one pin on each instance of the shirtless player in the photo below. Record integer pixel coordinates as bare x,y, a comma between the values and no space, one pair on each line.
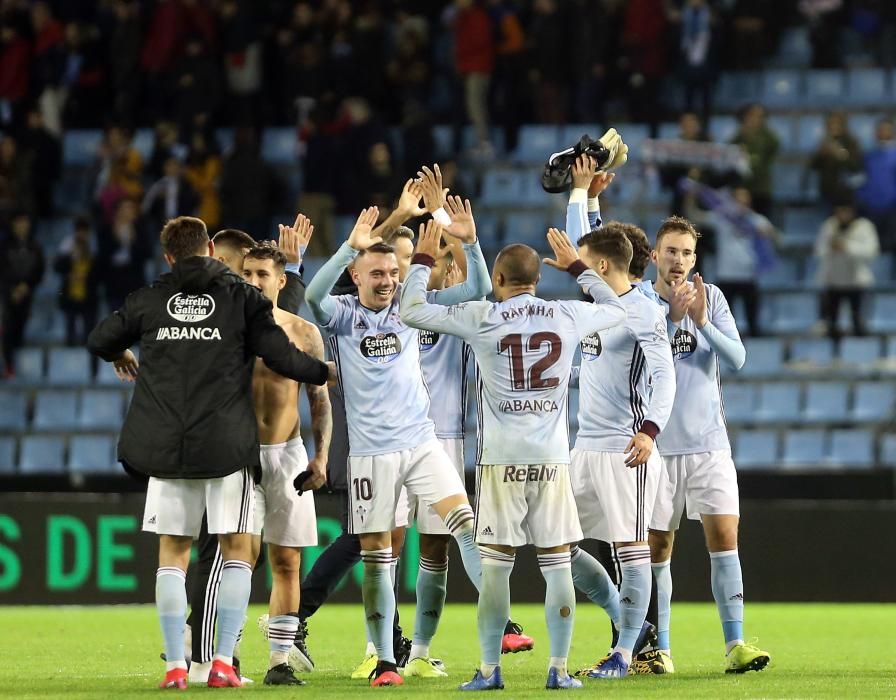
288,518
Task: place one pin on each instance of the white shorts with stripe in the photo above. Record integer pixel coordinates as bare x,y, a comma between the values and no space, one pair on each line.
525,504
428,521
175,506
287,519
379,486
702,484
615,502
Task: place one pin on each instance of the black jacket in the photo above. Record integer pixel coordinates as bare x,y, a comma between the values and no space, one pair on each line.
200,328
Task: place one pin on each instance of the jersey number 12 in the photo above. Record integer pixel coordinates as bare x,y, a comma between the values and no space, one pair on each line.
515,346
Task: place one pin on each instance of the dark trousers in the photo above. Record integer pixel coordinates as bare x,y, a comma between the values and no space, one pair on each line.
15,317
830,308
748,292
606,555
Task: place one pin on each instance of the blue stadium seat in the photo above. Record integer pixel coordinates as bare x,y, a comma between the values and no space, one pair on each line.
882,267
782,88
808,134
792,312
890,349
804,448
814,352
7,455
827,402
785,127
79,146
529,227
571,133
793,182
852,448
756,448
887,454
825,87
502,187
737,88
279,145
13,410
29,366
863,127
42,454
92,454
859,355
794,48
739,401
555,284
534,194
101,410
765,357
224,138
866,87
801,225
537,143
722,128
634,136
105,373
68,366
143,142
784,274
669,130
882,319
443,137
55,410
873,402
778,402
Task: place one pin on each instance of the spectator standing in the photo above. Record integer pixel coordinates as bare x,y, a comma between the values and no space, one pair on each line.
877,195
825,19
123,59
45,152
83,76
474,58
753,26
593,29
847,245
168,197
15,73
203,172
16,179
761,146
508,97
548,40
47,63
697,56
76,264
837,158
247,187
119,169
21,270
242,61
645,31
197,84
122,251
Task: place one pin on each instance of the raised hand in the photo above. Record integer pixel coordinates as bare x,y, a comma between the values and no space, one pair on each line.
294,239
409,200
462,225
683,295
428,241
434,194
599,183
126,367
361,237
583,171
564,251
697,310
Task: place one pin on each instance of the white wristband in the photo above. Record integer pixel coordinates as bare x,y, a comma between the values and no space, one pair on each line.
441,216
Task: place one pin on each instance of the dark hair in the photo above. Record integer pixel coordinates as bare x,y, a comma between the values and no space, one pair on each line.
234,238
183,237
610,243
676,224
519,264
383,248
400,232
82,222
640,246
268,252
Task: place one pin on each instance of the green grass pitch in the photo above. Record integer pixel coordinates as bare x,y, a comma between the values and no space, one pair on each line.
842,651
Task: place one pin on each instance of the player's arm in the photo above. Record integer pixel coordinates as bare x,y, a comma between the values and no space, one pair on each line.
435,200
719,329
317,294
407,208
267,340
651,334
117,332
578,221
321,415
292,242
415,310
478,282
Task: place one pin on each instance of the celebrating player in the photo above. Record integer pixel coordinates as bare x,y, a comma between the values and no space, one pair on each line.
287,518
191,426
694,445
392,441
524,349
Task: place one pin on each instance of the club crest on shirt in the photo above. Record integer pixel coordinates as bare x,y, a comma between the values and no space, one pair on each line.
428,340
683,344
190,308
591,346
381,348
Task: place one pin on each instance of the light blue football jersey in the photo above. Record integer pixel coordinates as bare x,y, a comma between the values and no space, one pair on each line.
524,348
443,359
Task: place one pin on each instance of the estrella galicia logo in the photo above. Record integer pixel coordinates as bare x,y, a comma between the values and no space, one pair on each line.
591,346
190,308
381,348
683,344
428,340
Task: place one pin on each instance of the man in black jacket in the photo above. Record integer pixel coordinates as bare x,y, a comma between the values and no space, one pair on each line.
191,424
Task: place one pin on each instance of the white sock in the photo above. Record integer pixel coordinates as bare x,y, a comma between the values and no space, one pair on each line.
371,649
558,662
730,645
171,665
419,651
279,657
487,669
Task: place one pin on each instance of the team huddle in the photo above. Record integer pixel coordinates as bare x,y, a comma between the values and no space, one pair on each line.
214,425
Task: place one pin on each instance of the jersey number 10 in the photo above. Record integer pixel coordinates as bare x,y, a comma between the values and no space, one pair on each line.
515,345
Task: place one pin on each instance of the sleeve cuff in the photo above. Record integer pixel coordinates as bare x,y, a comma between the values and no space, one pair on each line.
578,195
294,268
441,216
650,429
593,204
423,259
577,268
